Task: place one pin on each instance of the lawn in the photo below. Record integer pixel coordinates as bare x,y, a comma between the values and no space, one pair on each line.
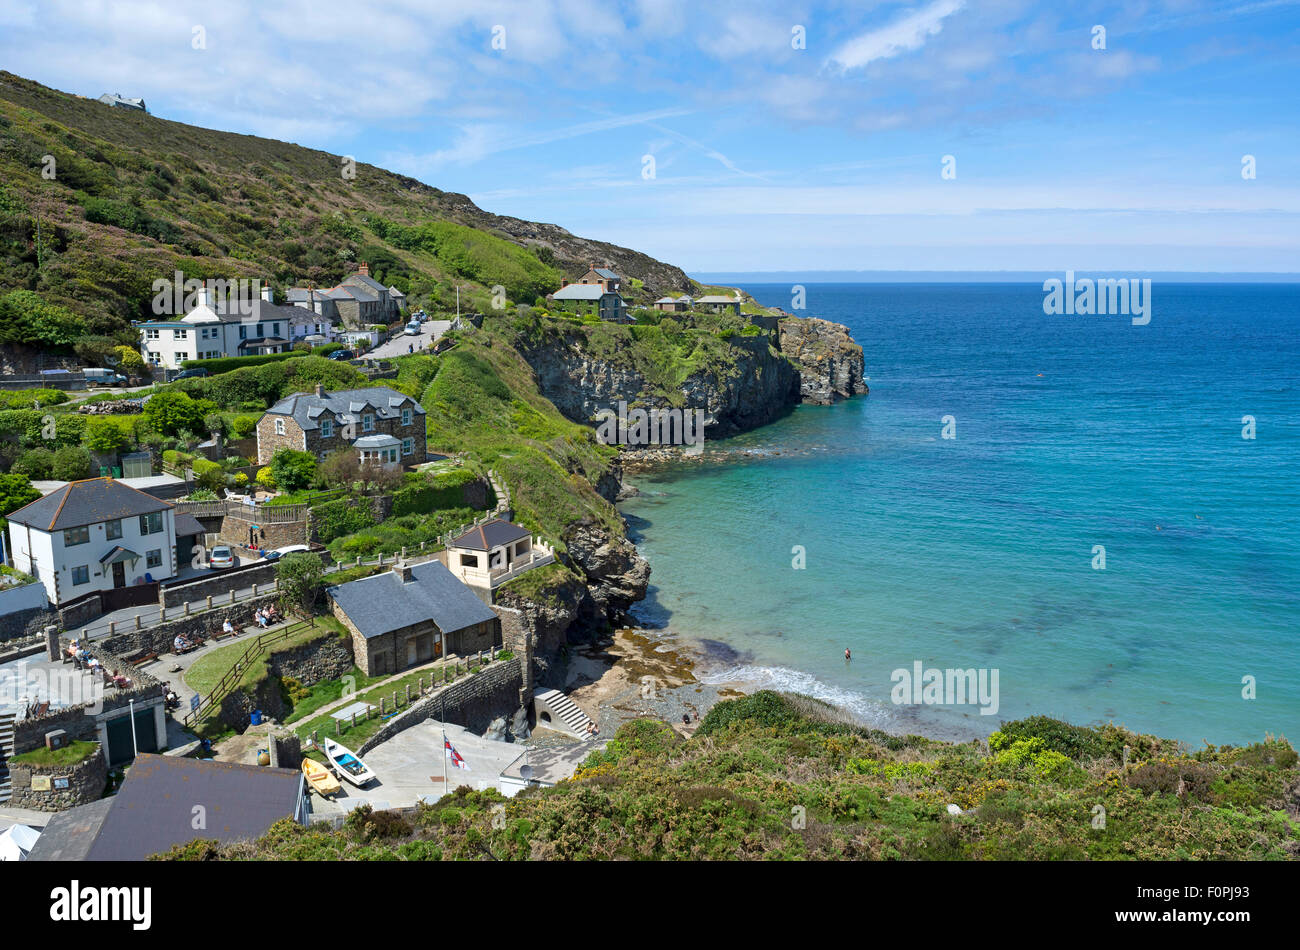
70,754
207,672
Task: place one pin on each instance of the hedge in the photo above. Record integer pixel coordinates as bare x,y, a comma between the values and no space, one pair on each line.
224,364
334,519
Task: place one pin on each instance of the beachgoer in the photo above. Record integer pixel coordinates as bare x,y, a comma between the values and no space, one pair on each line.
686,719
847,655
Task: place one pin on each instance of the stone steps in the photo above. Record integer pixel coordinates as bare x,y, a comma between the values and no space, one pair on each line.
566,715
6,750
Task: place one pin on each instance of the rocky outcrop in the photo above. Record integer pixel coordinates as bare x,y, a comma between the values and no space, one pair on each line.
830,363
617,576
751,388
553,615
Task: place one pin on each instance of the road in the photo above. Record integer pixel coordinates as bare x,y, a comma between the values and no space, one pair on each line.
430,332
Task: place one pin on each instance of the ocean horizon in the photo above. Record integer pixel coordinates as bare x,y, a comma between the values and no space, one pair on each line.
862,526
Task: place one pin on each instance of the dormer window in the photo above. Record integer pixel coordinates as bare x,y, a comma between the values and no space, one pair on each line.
368,423
326,429
406,417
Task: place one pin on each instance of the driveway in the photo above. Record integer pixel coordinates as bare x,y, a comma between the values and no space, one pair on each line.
430,332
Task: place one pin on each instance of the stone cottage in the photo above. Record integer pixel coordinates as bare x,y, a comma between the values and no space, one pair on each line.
322,422
411,615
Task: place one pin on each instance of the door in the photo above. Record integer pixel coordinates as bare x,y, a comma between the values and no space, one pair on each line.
412,652
119,574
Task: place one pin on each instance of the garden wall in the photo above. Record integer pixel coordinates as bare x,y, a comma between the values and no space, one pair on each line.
86,782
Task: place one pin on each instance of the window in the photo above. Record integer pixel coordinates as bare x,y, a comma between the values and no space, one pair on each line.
80,575
155,359
182,334
243,333
151,334
326,429
151,523
153,558
75,536
261,329
279,427
408,446
367,423
113,529
275,329
406,417
392,454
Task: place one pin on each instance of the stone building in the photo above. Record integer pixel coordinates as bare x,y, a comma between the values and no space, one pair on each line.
323,422
411,615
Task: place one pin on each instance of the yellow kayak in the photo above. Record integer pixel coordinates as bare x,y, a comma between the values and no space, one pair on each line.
319,777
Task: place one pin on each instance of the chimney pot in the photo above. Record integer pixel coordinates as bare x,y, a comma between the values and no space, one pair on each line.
403,571
266,293
364,269
320,389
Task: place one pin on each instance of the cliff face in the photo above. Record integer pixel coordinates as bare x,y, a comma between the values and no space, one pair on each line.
748,389
745,383
830,363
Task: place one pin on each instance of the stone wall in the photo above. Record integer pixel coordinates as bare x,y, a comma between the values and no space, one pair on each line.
472,702
235,527
219,586
86,782
159,638
326,658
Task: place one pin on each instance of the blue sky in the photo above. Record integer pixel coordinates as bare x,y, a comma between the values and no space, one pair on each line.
766,156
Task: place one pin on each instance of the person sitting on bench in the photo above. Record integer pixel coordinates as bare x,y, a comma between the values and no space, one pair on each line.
180,644
272,615
261,617
227,628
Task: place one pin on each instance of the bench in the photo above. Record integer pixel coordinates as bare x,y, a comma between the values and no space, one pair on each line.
140,658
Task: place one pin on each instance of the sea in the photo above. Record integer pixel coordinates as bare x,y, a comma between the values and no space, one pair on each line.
1100,519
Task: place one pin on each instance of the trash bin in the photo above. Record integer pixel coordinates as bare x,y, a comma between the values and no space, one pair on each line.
255,718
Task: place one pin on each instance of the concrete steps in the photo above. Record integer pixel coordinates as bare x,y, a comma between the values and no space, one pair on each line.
6,750
556,711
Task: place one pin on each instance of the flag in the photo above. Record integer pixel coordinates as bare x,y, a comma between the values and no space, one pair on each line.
452,754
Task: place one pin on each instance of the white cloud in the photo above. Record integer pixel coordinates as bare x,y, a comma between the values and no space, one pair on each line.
902,36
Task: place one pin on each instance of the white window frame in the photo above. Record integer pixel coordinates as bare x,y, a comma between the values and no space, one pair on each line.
407,416
279,427
408,446
326,429
155,553
368,422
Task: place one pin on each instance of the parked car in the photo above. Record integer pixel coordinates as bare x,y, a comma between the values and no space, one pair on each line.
274,554
412,329
221,557
103,377
192,374
343,355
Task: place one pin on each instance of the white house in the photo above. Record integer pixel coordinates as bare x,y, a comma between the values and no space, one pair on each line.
94,534
489,554
219,328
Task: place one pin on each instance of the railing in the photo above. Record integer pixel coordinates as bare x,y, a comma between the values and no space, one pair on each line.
262,514
201,509
226,685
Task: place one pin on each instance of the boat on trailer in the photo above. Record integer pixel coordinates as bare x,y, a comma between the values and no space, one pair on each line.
347,764
320,778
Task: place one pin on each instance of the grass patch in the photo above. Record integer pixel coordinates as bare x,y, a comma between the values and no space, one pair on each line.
208,670
70,754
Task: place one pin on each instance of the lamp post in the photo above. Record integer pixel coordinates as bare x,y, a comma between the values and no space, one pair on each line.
134,750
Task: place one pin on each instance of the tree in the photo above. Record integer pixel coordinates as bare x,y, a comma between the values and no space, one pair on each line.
107,436
97,350
15,491
340,469
129,360
71,462
299,578
28,319
171,412
293,469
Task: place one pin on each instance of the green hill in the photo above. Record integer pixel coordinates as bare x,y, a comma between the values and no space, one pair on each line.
96,203
772,776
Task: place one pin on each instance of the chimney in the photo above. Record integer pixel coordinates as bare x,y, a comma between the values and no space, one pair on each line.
266,293
364,269
320,389
203,297
403,571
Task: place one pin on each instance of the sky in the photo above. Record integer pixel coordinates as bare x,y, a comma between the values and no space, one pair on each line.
727,136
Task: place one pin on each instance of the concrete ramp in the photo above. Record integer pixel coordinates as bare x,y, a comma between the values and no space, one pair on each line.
554,710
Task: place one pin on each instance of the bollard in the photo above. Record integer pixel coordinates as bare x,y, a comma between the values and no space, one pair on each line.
358,564
394,700
403,552
421,545
354,720
338,727
209,601
254,590
187,608
381,705
162,614
232,596
408,694
112,628
137,621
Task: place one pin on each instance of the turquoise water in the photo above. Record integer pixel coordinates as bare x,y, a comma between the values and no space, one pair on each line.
977,552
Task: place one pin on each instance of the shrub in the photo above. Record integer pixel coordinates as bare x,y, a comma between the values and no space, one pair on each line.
71,463
32,398
172,412
35,463
242,427
207,473
293,469
266,478
108,435
225,364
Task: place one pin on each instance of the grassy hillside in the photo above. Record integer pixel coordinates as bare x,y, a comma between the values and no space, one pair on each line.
773,776
96,203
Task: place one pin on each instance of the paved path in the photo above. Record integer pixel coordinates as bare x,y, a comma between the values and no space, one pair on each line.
430,333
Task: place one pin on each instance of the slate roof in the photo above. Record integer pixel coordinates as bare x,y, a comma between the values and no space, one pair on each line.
188,525
382,603
346,405
581,292
491,534
69,834
605,273
154,809
364,280
249,312
86,502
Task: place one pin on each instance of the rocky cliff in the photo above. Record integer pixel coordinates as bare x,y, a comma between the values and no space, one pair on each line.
829,362
740,382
